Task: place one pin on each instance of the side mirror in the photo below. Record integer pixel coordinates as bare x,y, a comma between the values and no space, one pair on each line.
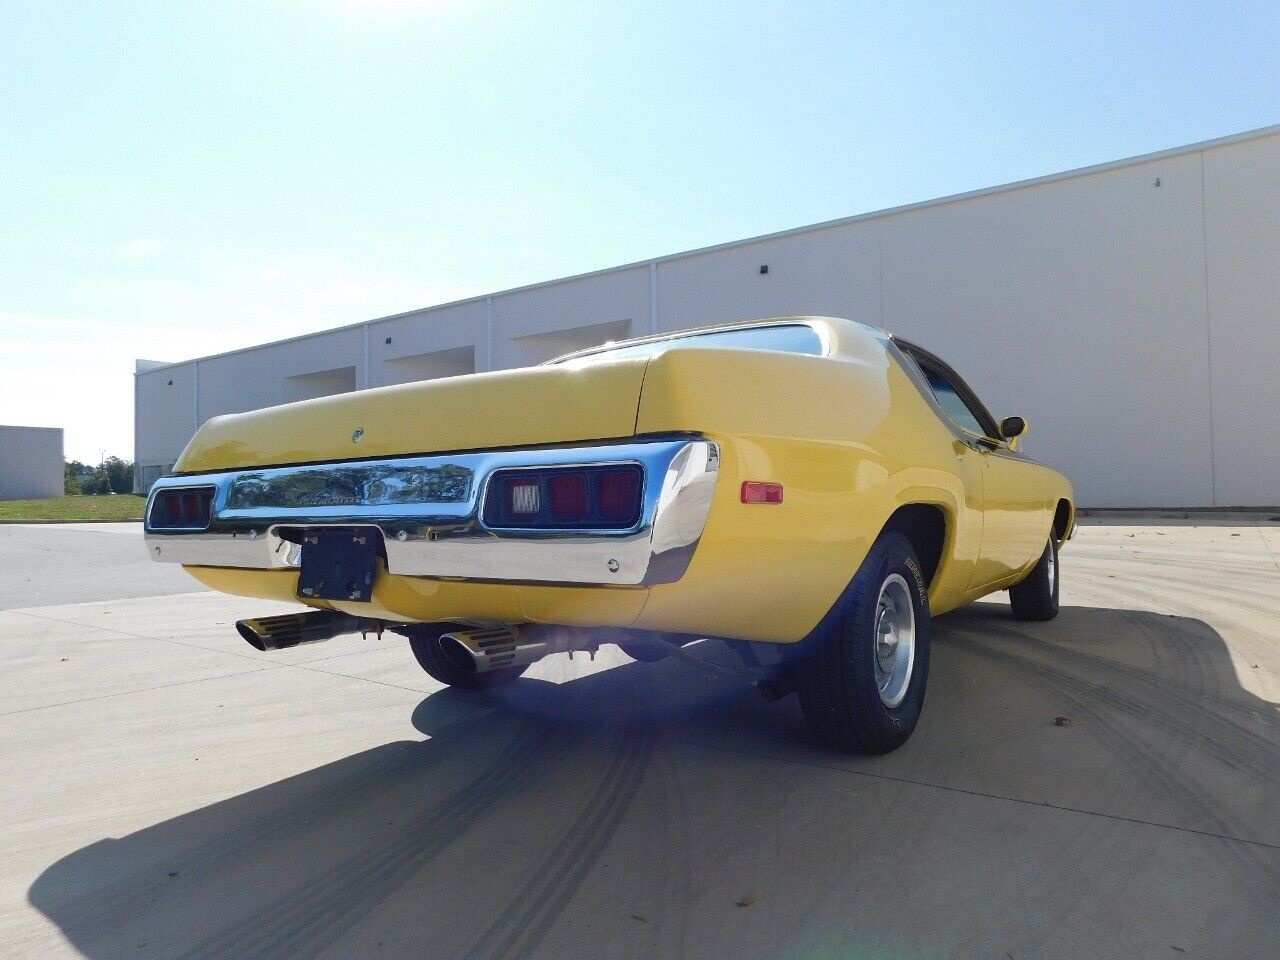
1011,428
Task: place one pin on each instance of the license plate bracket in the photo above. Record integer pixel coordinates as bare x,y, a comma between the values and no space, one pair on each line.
339,563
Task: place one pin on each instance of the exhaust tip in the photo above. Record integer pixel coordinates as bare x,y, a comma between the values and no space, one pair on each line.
291,629
458,653
246,629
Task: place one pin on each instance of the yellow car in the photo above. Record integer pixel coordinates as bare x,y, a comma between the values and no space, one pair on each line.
807,489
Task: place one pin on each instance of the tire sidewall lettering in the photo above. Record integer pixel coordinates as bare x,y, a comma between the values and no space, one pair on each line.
917,574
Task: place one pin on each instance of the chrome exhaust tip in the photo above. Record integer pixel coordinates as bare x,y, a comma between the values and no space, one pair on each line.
293,629
481,649
457,652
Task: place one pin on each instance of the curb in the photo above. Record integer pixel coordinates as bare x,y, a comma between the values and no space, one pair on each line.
1241,514
38,522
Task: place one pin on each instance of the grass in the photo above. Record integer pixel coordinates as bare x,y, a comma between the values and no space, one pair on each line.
122,506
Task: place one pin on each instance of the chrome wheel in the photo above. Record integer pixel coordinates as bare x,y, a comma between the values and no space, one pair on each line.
1052,567
895,640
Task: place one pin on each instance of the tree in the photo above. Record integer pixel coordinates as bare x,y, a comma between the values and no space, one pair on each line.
119,474
72,471
94,482
113,475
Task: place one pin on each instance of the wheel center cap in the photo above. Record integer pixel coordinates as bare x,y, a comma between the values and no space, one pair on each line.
887,645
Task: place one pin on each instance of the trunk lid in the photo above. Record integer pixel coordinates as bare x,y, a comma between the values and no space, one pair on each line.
536,405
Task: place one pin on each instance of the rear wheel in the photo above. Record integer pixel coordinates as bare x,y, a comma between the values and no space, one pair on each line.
1036,597
862,684
442,663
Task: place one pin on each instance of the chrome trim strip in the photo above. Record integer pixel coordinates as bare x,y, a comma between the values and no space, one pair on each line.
428,510
820,330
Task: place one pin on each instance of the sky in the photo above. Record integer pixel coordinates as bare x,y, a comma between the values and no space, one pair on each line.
179,179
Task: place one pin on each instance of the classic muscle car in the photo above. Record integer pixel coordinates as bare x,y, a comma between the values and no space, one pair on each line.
808,490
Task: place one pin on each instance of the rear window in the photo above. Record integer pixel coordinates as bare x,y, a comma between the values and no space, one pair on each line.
784,338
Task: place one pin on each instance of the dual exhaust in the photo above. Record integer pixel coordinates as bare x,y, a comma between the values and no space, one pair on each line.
475,650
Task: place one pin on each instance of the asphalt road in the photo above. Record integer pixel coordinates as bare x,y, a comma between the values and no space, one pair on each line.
44,564
169,792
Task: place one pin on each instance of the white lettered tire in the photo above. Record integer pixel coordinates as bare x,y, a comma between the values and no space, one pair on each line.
862,683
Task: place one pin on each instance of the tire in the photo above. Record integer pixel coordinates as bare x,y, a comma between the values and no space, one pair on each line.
432,657
1036,597
838,682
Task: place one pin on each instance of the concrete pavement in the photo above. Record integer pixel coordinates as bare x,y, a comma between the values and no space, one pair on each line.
169,792
48,563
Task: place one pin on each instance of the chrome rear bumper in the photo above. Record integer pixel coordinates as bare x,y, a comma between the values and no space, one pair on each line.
430,509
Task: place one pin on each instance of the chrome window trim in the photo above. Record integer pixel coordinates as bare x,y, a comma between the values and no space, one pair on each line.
446,538
594,353
983,443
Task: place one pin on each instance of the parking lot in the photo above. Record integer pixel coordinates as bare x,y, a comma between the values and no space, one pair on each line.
1103,785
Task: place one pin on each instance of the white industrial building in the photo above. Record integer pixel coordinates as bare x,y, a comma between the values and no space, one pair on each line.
1130,311
31,463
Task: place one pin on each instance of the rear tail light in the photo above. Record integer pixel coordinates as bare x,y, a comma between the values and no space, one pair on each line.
618,494
566,498
184,508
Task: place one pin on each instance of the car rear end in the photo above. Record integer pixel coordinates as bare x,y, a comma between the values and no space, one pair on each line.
632,489
618,514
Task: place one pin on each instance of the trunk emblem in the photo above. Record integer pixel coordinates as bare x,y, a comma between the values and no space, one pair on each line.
359,432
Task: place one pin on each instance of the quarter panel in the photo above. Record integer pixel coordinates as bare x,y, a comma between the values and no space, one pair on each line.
851,440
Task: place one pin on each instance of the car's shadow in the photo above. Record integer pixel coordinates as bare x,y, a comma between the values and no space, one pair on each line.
647,810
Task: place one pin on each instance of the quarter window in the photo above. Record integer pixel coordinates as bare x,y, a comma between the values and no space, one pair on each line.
952,395
952,404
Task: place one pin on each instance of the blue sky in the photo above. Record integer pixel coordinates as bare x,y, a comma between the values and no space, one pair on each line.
177,179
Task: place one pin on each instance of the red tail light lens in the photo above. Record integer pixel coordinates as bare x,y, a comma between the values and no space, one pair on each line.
188,508
618,495
568,493
566,498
